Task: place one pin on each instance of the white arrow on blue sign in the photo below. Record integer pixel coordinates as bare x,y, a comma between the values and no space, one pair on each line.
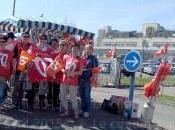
132,61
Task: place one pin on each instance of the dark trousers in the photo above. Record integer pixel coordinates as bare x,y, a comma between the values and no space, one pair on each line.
85,95
42,101
31,94
17,93
53,95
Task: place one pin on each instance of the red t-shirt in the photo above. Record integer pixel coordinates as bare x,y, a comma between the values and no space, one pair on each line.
11,46
46,51
6,63
72,64
54,54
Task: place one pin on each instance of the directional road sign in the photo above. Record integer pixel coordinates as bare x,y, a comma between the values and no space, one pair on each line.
132,61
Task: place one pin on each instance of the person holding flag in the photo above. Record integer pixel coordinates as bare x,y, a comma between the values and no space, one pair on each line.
53,70
24,53
71,72
6,65
43,55
85,80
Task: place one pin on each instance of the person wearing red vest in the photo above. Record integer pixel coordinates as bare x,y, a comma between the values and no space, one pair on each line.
21,76
54,86
72,71
43,51
6,66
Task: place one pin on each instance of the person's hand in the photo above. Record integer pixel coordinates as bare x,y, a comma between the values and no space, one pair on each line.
70,73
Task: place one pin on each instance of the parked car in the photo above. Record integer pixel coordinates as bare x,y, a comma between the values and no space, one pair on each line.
150,69
153,62
142,67
172,71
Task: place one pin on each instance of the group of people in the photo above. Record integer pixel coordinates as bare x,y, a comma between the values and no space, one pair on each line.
73,79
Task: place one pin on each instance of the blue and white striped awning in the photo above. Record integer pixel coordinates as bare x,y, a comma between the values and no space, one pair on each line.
10,27
22,24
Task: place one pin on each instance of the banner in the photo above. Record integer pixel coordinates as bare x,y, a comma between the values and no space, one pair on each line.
24,59
55,66
37,71
111,53
162,51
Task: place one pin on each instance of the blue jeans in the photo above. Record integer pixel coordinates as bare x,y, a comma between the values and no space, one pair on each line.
2,91
85,95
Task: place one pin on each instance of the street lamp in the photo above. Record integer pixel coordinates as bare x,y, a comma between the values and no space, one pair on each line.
143,46
14,5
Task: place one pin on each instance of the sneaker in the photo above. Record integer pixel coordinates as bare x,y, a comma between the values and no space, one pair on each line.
76,116
86,114
81,112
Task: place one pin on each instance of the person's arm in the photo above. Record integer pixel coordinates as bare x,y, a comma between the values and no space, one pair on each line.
14,65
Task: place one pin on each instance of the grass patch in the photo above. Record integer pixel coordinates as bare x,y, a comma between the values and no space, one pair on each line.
138,81
141,81
169,82
166,98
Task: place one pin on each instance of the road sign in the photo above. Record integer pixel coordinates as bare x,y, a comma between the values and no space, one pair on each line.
132,61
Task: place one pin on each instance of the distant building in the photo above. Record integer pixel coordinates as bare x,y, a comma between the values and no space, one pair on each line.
155,30
152,37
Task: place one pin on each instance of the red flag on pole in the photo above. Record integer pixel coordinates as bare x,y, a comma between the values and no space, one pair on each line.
111,53
162,51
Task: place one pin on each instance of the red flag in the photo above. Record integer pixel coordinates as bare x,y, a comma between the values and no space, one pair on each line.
94,78
162,51
152,87
111,53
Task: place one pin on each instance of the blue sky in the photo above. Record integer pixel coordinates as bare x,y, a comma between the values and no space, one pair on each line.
90,15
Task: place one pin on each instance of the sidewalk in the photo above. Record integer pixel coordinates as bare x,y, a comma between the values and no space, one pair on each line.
169,91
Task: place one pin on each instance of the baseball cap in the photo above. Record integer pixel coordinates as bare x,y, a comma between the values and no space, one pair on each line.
3,38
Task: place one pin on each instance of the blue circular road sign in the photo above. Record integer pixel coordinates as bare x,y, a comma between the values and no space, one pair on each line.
132,61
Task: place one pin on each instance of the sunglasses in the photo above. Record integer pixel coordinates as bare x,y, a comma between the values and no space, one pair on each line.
42,39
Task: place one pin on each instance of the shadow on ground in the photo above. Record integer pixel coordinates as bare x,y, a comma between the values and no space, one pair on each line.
99,120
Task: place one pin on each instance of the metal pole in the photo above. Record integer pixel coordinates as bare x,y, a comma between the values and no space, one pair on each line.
143,50
14,5
131,93
143,45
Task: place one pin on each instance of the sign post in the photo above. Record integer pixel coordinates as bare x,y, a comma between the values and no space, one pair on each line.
132,62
